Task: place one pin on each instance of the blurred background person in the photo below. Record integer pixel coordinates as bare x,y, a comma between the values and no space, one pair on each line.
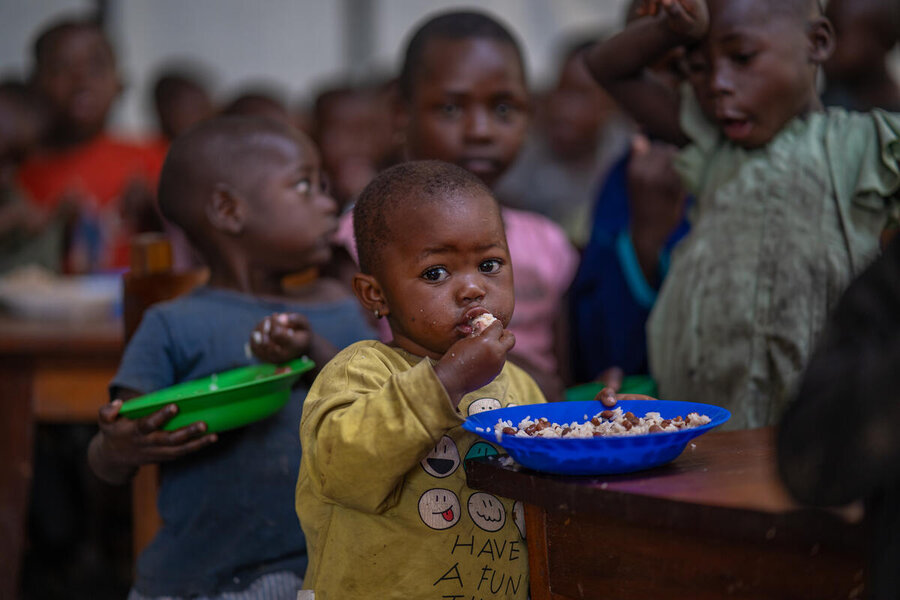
578,133
109,181
857,76
180,99
352,126
29,235
259,101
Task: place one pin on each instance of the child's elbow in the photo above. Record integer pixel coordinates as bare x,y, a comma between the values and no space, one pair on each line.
360,498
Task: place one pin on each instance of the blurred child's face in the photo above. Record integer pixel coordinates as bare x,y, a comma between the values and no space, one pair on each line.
78,76
446,262
575,111
183,109
19,134
757,69
350,134
291,217
469,106
861,46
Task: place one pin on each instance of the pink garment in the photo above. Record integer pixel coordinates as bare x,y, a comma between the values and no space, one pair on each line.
544,264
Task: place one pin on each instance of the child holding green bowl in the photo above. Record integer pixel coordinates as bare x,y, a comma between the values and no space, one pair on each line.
250,196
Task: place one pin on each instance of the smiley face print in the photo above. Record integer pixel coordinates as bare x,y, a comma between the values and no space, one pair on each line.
481,405
439,508
479,449
487,511
443,460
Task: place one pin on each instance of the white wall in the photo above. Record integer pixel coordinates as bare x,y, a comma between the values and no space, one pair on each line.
295,43
286,42
19,20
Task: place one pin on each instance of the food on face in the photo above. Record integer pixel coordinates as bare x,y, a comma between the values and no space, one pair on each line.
604,424
482,322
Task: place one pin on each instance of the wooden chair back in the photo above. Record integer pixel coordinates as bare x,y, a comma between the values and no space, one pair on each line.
151,279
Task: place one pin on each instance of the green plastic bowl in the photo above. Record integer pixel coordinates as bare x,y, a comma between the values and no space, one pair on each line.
631,384
225,400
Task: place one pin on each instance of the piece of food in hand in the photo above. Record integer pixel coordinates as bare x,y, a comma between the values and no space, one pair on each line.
482,322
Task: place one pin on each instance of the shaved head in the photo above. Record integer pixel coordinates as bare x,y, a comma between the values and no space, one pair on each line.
399,189
226,151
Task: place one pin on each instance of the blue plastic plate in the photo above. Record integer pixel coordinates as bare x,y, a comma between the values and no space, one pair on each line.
600,455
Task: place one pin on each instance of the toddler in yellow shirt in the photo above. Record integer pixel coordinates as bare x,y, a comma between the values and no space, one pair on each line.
382,494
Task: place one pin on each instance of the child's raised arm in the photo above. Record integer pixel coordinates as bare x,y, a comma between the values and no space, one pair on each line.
619,63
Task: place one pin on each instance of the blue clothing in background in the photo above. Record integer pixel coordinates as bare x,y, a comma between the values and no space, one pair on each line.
610,297
227,510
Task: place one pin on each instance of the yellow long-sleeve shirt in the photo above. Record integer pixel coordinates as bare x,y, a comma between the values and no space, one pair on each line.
382,494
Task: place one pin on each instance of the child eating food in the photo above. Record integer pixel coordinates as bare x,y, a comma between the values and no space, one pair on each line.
464,100
382,494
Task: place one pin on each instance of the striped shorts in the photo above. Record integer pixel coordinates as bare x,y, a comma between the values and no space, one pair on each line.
282,585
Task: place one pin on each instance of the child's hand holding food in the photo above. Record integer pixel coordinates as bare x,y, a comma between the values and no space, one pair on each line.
474,361
285,336
281,337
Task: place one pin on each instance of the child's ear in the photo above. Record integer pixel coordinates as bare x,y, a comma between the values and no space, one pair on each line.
370,295
821,40
226,210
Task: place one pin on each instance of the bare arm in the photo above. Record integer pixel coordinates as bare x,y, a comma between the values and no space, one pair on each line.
620,63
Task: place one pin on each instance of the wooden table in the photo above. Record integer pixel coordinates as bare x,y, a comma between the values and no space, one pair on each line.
54,372
715,523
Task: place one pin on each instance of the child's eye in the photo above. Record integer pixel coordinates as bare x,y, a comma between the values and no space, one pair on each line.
743,58
490,266
504,111
303,186
450,110
435,274
696,67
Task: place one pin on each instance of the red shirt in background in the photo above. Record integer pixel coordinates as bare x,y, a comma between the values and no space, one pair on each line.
94,175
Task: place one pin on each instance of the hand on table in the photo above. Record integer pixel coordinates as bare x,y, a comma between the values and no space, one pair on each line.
609,395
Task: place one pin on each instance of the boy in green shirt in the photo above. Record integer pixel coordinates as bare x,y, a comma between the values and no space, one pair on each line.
790,198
